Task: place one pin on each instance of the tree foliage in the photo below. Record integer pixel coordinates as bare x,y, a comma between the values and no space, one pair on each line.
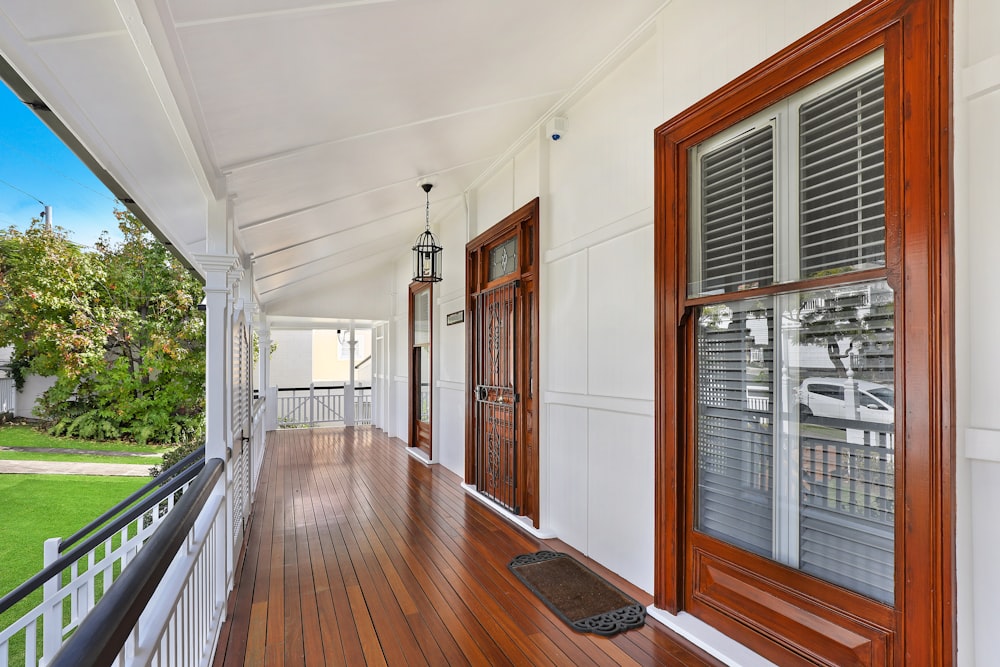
118,327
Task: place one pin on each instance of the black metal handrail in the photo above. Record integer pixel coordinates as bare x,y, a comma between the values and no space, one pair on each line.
102,633
82,549
157,481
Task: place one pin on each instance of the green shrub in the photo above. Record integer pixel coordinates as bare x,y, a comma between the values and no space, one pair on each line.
174,455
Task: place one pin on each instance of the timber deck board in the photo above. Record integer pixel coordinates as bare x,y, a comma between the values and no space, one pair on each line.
357,554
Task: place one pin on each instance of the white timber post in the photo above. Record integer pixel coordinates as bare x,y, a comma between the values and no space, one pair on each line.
52,617
220,272
349,389
264,376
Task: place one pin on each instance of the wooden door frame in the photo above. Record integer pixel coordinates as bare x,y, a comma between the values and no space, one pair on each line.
524,221
920,627
414,383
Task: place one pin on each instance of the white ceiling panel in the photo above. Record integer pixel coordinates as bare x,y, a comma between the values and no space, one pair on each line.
400,156
315,118
58,20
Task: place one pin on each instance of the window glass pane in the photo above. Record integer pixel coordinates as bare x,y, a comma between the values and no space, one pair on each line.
842,340
422,317
425,383
734,438
795,434
842,178
503,259
734,230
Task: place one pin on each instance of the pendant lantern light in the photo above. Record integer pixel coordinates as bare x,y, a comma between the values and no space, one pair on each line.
427,251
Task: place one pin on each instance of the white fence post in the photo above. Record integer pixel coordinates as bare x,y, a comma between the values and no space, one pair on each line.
271,409
349,405
52,618
312,404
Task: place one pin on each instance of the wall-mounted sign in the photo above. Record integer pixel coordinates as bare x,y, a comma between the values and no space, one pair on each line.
456,317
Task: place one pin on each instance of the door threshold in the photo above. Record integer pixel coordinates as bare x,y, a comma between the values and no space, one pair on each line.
420,455
521,521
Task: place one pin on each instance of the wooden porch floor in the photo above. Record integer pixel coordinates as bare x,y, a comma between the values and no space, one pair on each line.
358,554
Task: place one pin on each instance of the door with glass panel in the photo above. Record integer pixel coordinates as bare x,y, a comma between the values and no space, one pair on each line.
501,448
421,331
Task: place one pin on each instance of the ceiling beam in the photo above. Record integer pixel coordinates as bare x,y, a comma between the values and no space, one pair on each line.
353,195
321,8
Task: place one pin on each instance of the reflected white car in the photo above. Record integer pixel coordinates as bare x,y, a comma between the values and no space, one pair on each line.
824,397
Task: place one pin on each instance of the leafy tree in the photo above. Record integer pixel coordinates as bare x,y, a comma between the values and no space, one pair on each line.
118,327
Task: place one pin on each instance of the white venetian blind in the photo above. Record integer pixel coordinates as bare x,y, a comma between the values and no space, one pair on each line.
734,446
842,178
737,214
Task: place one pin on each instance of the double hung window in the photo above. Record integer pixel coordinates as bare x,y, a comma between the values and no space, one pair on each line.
794,334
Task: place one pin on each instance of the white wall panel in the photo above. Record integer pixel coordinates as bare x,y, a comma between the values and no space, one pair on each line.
526,176
977,143
746,33
602,170
564,324
983,174
621,495
982,40
451,234
985,573
449,342
620,316
568,474
495,199
449,429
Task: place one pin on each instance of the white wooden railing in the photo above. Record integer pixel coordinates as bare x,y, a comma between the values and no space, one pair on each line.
168,609
181,622
319,405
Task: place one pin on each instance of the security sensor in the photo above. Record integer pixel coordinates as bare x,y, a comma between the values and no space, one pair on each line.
556,128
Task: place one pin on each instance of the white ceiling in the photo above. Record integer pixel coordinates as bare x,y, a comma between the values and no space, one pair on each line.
317,118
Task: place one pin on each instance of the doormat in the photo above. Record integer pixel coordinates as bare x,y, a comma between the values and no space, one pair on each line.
585,601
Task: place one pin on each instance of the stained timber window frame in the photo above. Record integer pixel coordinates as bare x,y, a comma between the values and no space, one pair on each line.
784,614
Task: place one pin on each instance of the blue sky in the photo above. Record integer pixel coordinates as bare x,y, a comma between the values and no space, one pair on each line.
36,165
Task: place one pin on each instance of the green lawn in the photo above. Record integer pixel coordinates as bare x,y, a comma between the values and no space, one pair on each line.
37,507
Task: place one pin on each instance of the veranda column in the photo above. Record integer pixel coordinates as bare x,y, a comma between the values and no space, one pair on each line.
220,273
349,400
219,280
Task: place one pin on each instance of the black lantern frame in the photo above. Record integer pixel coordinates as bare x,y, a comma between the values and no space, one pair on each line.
426,250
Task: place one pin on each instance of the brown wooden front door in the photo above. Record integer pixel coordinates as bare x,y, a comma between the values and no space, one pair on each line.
496,394
501,444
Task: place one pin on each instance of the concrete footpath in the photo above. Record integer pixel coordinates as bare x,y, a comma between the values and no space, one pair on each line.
67,468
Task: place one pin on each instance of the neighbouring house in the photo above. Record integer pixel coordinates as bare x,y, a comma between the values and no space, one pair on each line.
304,357
718,272
20,403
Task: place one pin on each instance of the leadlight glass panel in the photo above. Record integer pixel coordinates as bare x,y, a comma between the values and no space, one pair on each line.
503,259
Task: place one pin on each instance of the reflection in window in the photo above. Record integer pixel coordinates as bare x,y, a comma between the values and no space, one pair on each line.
795,431
424,373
